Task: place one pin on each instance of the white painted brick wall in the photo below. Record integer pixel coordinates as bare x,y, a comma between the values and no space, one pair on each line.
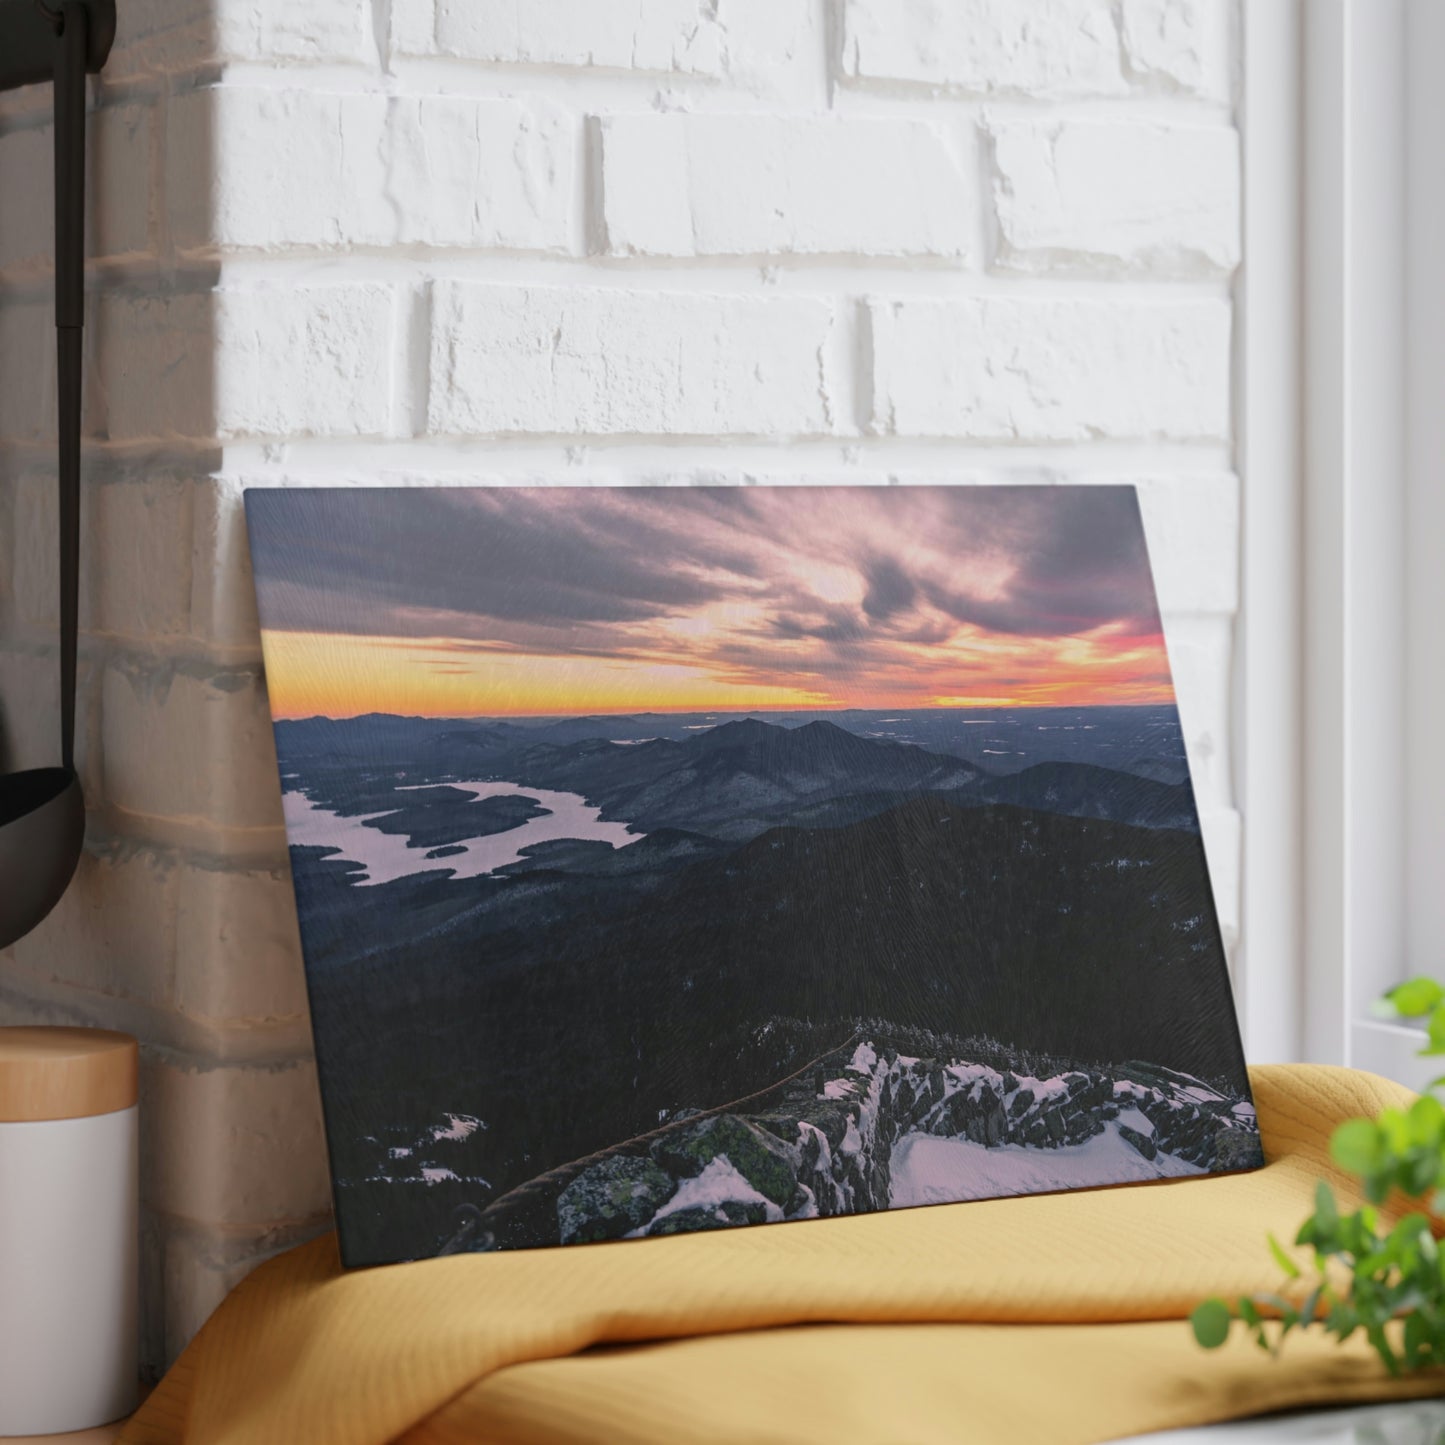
728,185
459,241
299,168
1041,49
656,35
217,351
1006,369
1108,196
620,360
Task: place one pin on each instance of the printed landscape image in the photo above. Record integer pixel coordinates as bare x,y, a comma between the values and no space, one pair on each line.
685,858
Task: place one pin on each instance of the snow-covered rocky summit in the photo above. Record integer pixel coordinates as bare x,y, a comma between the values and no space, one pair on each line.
876,1129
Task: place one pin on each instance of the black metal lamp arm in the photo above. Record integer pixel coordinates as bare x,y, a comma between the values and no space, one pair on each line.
28,29
61,41
42,810
70,55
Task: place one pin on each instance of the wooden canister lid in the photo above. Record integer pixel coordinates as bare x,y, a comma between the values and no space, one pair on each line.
58,1073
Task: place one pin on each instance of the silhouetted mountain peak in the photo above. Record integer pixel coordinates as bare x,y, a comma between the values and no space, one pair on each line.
736,734
822,728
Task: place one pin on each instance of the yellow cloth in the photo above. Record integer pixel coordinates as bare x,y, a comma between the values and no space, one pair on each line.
1052,1320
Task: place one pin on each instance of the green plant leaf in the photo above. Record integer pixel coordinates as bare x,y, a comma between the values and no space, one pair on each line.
1423,1171
1417,1341
1281,1258
1435,1033
1387,1281
1211,1321
1355,1146
1427,1120
1416,997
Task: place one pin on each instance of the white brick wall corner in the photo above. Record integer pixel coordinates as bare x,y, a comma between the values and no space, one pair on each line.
447,241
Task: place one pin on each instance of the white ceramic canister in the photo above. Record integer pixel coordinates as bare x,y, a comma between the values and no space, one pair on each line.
68,1229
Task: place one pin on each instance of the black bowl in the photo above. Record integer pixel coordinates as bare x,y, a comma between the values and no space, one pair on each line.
42,827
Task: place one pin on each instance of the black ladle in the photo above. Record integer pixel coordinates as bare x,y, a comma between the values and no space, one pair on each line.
42,810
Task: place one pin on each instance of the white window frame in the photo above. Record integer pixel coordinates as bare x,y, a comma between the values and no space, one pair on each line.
1269,679
1341,403
1370,511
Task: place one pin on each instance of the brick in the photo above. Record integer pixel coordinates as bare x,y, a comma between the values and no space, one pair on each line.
120,163
329,30
169,36
139,579
113,933
238,948
583,359
27,235
1192,525
36,565
731,185
1037,48
666,36
180,745
197,945
1117,197
208,364
155,367
233,1145
118,200
1011,369
336,341
772,47
1178,45
133,586
27,363
253,166
30,714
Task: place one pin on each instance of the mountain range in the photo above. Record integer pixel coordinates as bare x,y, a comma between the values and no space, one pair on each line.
729,782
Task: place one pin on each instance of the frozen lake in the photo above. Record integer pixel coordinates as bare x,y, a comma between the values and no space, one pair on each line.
386,856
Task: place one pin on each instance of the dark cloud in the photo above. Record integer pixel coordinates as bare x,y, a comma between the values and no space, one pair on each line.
1078,561
831,624
890,588
582,572
386,560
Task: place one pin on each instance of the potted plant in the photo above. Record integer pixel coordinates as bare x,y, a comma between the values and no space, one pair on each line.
1390,1284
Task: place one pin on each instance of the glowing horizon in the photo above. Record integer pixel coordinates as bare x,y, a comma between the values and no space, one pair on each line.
319,674
553,602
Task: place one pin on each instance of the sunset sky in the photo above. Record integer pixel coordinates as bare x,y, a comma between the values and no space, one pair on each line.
568,600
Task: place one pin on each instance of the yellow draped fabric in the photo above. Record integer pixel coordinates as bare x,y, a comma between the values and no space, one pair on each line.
1052,1320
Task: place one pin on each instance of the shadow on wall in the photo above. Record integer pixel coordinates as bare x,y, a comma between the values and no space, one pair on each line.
178,926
